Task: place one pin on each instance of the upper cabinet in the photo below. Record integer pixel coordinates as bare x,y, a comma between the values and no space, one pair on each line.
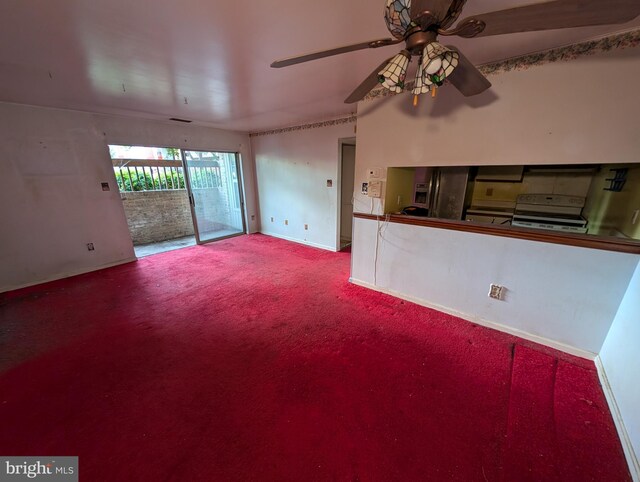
500,173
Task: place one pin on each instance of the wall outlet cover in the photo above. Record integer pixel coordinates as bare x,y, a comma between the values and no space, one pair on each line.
496,292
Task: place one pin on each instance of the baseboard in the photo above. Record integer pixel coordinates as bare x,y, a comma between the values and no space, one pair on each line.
69,274
480,321
627,446
300,241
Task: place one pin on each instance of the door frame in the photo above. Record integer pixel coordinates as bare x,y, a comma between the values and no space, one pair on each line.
187,184
348,141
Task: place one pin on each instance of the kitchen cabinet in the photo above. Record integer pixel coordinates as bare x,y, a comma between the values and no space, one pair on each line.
500,173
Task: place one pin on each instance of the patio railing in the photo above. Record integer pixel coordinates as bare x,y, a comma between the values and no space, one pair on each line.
157,175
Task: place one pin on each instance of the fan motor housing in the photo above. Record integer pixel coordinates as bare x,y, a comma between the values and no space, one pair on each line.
416,41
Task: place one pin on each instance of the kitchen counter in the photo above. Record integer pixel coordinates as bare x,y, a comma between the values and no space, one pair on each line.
555,237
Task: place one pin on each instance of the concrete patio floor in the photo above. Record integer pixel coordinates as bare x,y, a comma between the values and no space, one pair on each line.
155,248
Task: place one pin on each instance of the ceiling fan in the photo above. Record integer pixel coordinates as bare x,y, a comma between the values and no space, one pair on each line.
418,23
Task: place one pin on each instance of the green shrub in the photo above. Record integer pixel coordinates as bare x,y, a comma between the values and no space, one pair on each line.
136,180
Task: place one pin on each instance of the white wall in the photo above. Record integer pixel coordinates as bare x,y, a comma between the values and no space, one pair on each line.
555,113
620,357
550,114
570,297
128,130
560,293
292,172
51,201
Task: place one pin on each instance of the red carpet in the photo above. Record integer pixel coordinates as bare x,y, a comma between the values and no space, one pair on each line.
255,359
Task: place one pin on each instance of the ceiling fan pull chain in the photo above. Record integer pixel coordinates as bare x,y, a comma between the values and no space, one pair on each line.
434,91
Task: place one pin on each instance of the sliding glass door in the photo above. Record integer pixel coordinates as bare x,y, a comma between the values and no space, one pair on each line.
213,182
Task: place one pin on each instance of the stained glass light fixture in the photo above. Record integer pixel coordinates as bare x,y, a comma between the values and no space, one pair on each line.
397,14
394,74
436,64
419,86
436,61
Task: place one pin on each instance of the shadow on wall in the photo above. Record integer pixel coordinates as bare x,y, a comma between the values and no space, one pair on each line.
447,101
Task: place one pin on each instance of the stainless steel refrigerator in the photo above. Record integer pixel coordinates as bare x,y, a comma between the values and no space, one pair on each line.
442,190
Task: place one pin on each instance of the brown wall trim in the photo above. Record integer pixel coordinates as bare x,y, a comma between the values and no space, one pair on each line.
314,125
579,240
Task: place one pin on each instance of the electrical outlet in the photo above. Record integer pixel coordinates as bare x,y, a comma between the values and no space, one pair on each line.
496,291
271,218
329,183
90,247
253,217
105,186
286,222
306,227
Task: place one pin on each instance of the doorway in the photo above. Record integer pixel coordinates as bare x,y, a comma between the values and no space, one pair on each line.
347,180
174,198
213,185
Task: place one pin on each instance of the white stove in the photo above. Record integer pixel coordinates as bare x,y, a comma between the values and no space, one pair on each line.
491,212
555,212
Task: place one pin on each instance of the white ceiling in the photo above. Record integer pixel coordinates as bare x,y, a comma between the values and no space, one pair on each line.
78,54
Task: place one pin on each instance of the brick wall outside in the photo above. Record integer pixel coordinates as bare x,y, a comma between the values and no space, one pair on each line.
157,215
212,209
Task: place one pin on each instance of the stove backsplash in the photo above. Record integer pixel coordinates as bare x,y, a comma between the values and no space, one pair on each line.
568,184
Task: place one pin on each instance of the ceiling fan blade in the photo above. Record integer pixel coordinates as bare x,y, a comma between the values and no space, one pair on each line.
454,12
374,44
466,77
555,15
367,84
